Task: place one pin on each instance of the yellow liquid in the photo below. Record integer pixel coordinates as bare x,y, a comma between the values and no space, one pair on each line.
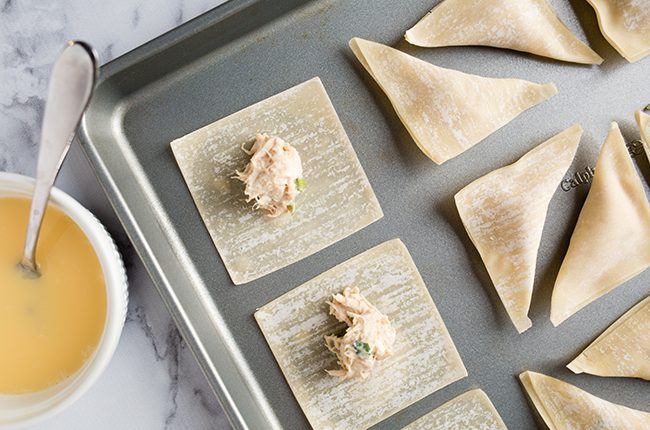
49,326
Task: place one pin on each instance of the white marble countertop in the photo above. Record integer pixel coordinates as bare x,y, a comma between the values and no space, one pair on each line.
153,381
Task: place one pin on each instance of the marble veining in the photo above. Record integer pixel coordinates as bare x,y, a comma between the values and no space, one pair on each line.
153,381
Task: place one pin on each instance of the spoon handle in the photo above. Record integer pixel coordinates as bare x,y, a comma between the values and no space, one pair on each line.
71,85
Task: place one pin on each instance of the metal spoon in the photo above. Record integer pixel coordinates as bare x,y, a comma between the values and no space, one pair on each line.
71,85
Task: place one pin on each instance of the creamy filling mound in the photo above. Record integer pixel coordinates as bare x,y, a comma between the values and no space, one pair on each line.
368,339
273,176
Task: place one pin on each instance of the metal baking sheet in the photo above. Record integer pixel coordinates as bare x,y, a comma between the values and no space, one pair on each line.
247,50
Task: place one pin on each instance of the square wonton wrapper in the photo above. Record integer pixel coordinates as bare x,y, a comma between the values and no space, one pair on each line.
424,360
338,200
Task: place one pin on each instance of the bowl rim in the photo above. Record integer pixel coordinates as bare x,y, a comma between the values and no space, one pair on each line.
116,298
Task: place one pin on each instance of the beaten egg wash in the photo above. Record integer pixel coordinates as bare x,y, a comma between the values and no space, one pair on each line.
49,326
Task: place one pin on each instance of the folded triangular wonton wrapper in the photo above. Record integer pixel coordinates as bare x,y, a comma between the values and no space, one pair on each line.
504,213
622,350
472,410
626,26
563,406
446,111
643,120
522,25
610,242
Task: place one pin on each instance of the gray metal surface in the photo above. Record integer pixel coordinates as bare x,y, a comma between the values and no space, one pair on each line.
247,50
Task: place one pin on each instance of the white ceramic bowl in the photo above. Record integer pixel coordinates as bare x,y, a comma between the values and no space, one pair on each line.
17,411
